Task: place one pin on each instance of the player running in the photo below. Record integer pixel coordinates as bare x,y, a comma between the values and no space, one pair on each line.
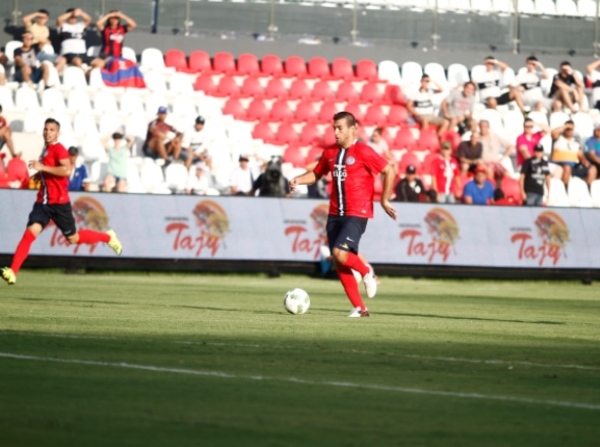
53,202
354,166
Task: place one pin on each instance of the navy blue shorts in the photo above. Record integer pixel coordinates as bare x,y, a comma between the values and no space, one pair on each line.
61,214
344,232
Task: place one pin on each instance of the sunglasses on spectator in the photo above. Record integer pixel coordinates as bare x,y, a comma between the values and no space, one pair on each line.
568,128
529,126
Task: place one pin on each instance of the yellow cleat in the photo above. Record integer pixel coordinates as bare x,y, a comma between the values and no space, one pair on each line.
9,276
114,242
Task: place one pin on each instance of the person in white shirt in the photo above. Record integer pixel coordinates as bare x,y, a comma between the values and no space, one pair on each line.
242,178
193,144
379,145
200,181
420,106
71,31
529,83
489,83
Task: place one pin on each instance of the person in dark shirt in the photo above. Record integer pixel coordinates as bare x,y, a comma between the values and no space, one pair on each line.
469,153
410,188
534,173
29,69
567,87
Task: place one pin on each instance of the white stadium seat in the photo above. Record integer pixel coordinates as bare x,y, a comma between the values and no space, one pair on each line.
527,7
79,101
176,176
181,83
105,103
74,77
437,73
152,178
545,7
84,124
129,53
586,8
109,124
412,73
53,100
9,50
26,98
595,193
92,150
578,193
155,82
183,105
584,125
557,119
34,121
6,99
131,102
558,194
389,71
567,8
152,59
457,74
503,6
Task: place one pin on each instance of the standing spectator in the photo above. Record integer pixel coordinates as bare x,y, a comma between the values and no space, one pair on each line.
72,31
534,173
193,148
162,139
445,175
242,178
529,82
113,35
489,83
458,107
592,148
567,87
410,188
29,69
79,180
118,149
528,140
200,181
354,166
492,146
470,152
567,152
6,136
380,146
480,190
420,106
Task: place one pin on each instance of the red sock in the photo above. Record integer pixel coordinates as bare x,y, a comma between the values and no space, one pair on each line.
350,286
355,263
22,251
92,237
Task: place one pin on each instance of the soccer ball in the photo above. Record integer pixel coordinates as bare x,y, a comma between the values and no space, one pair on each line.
296,301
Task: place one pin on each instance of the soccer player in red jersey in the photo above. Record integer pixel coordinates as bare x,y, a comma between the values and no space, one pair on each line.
53,203
353,166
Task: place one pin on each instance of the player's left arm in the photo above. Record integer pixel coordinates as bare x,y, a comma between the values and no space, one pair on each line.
308,178
63,170
389,174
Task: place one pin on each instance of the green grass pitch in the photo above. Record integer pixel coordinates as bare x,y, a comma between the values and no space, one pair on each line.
214,360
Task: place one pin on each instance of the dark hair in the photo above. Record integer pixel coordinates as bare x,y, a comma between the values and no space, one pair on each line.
425,76
70,10
569,122
377,129
52,120
0,107
531,59
527,120
73,150
489,58
563,63
44,11
469,83
350,119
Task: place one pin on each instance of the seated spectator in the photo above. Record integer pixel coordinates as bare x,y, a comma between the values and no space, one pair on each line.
29,68
420,106
458,107
592,148
272,183
495,149
162,140
36,24
193,148
379,145
567,152
200,180
480,190
113,34
118,148
6,136
242,178
71,31
529,83
489,83
410,188
535,172
470,152
529,139
79,179
567,87
445,175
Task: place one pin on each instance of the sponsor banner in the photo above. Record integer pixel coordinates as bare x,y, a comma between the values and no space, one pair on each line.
246,228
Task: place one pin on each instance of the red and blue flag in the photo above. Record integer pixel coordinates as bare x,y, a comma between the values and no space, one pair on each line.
120,72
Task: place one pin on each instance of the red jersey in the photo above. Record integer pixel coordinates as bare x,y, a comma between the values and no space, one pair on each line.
112,41
445,173
53,188
353,170
2,122
161,126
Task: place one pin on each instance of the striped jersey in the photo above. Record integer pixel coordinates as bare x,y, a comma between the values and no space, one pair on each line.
353,170
53,189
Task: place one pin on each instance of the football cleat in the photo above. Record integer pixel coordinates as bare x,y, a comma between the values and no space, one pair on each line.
358,313
9,276
370,283
114,242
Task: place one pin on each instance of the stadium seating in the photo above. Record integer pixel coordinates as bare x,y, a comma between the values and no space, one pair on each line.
275,89
271,65
199,62
247,65
341,68
295,67
176,59
224,63
318,67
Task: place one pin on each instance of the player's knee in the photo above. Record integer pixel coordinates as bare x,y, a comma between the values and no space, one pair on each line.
340,255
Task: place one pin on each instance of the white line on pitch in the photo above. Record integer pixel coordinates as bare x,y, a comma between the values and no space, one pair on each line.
225,375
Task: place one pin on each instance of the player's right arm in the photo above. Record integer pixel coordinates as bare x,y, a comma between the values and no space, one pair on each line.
308,178
63,170
389,175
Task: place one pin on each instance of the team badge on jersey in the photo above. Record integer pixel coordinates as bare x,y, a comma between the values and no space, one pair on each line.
350,161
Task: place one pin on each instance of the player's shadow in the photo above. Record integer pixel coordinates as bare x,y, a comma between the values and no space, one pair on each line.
77,301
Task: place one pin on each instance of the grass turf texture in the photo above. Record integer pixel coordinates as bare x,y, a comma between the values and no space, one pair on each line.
448,363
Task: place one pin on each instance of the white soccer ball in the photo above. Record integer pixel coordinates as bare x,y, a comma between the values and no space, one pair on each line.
296,301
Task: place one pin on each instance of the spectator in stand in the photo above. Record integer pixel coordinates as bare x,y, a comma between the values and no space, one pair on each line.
492,145
242,178
480,190
118,148
567,152
567,87
6,136
380,146
113,35
529,83
469,153
200,180
592,148
193,148
534,173
36,24
420,106
79,180
162,140
3,62
592,81
528,140
72,31
410,188
445,174
458,107
489,83
29,68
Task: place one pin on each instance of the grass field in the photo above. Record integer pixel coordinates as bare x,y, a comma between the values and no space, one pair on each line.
214,360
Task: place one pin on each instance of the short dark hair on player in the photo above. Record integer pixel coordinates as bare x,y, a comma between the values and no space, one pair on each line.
52,120
350,119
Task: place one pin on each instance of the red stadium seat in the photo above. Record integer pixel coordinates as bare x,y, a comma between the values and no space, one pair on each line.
428,140
176,59
366,70
305,112
293,155
393,95
271,65
16,171
234,107
511,189
286,134
262,131
280,111
329,137
275,89
314,153
374,116
355,109
200,62
371,93
346,92
247,64
204,83
428,162
326,112
453,138
341,68
408,159
310,135
318,67
299,90
404,140
257,111
227,87
251,88
397,115
295,66
223,62
322,91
